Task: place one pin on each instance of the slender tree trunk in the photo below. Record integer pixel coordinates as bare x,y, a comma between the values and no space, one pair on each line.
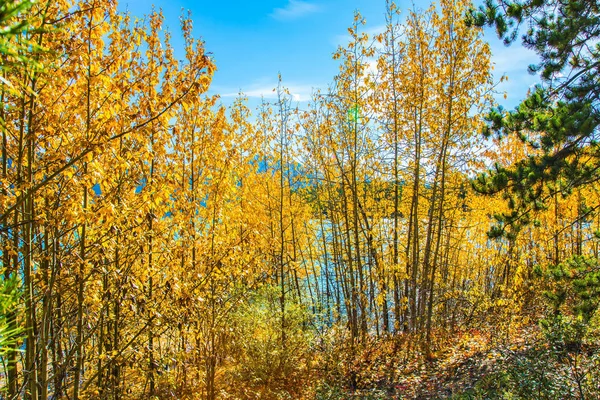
10,267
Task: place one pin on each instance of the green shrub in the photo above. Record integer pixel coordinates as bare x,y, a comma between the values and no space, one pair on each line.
271,357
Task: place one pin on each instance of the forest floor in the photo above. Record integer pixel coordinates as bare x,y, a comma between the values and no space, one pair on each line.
443,378
472,361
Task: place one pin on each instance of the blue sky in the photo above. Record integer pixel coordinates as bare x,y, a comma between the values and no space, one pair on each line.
253,40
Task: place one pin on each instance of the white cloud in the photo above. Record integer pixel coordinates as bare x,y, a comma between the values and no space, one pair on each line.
299,92
294,9
372,68
512,61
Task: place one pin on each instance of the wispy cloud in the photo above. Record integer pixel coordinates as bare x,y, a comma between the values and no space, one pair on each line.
294,9
513,62
513,59
299,92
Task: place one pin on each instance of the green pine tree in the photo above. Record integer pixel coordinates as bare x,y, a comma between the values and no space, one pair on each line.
560,117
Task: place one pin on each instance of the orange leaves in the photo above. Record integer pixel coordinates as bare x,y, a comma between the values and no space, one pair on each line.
101,160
